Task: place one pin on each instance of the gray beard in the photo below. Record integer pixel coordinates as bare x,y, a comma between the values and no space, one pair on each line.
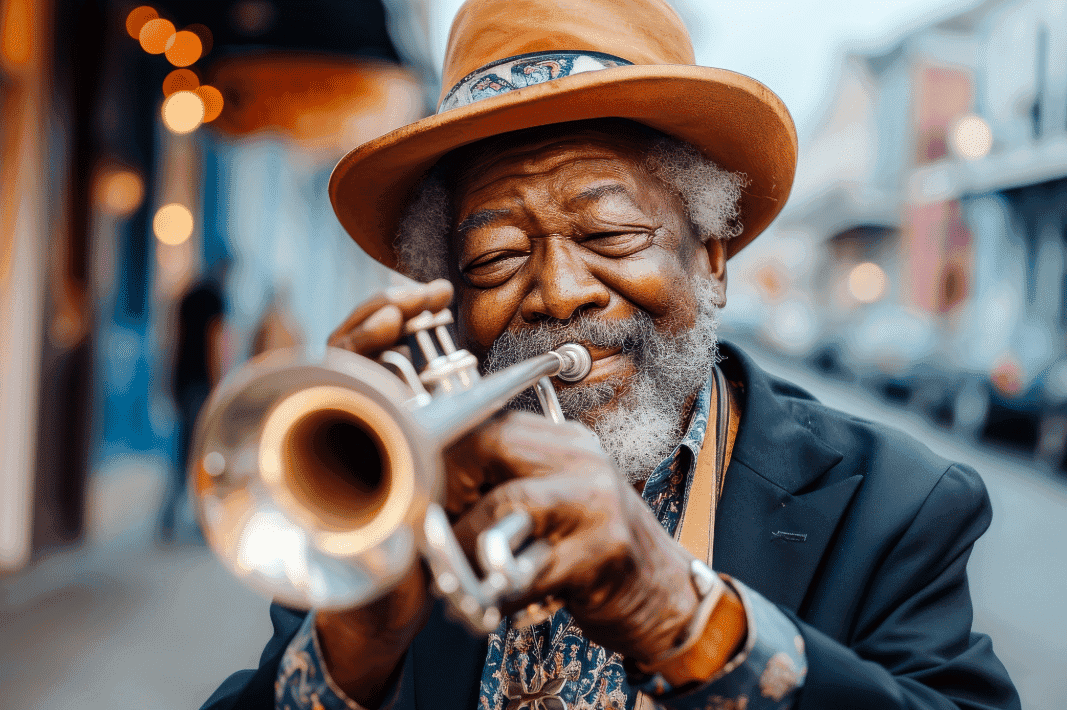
641,419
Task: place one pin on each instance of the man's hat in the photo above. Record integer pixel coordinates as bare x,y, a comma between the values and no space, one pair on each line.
515,64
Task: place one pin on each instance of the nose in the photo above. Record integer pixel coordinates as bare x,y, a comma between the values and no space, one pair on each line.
563,284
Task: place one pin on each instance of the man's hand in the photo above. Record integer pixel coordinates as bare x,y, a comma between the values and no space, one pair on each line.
363,647
625,581
377,324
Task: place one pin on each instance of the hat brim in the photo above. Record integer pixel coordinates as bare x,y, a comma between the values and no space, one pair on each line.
733,119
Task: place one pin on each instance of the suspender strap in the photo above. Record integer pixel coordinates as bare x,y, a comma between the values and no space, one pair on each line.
696,531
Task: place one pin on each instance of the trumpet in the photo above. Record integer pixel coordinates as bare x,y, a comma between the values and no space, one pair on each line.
319,480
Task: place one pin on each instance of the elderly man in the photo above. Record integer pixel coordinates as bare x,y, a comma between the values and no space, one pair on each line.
584,182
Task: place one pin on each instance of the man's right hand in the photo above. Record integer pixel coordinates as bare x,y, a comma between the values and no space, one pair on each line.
363,647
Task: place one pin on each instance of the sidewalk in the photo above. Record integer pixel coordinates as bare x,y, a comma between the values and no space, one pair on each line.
120,623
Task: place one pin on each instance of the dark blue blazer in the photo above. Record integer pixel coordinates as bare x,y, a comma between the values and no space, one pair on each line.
875,576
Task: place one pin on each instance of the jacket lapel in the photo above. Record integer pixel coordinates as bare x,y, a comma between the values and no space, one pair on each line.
781,502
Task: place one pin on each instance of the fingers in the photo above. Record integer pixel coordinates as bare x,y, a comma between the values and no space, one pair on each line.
559,507
377,323
527,444
515,445
378,332
568,552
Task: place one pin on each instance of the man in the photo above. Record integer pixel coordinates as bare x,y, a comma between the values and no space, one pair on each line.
583,181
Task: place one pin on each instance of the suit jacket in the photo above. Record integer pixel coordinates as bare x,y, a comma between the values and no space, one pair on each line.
858,532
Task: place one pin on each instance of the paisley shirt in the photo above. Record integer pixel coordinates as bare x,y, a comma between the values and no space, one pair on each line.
552,666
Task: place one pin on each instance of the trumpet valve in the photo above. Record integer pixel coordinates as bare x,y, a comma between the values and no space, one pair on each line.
449,373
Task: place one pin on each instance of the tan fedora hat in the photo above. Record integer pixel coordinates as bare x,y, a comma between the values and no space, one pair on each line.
515,64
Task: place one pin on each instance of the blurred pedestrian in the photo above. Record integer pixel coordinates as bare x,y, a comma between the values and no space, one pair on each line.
198,367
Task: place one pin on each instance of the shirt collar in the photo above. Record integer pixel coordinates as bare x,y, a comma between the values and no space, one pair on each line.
691,442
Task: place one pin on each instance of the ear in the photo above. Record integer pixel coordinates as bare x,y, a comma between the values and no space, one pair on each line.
710,262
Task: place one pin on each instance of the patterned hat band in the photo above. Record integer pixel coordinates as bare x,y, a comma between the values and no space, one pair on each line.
512,73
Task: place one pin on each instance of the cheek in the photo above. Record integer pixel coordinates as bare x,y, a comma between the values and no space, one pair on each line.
653,280
482,315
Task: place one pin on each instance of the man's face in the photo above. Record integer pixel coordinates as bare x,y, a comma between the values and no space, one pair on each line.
551,230
574,240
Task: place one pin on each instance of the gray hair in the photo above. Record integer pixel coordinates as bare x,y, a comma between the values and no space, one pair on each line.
711,196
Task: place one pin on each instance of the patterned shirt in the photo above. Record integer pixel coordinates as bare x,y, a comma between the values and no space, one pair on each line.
552,666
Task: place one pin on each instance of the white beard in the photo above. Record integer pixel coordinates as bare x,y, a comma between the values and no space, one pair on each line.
641,426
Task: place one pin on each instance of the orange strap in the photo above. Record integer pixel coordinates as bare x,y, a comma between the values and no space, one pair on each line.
696,531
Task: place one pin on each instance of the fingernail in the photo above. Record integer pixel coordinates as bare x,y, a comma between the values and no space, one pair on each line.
382,317
398,293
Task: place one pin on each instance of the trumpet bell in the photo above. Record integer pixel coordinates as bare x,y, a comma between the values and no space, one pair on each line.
311,484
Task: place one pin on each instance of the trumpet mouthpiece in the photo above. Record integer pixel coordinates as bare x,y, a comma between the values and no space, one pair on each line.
576,362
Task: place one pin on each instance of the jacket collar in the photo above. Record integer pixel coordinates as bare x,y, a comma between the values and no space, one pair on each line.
781,501
772,440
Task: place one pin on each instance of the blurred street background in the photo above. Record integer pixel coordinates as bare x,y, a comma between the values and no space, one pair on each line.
163,217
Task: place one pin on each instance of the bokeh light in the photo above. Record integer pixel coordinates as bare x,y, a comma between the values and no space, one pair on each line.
183,112
17,35
867,282
137,19
972,138
207,40
183,48
118,191
181,80
212,99
173,224
771,282
253,17
1007,376
155,34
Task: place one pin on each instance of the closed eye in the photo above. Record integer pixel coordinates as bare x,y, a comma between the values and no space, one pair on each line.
618,244
494,268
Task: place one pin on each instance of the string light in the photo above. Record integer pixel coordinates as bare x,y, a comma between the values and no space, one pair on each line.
181,80
213,102
173,224
183,48
867,282
187,104
253,17
207,41
137,19
155,34
183,112
972,138
119,191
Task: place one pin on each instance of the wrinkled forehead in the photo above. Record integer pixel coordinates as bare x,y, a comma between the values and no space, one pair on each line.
539,150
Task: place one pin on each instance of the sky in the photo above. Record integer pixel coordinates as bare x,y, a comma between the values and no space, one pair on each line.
792,46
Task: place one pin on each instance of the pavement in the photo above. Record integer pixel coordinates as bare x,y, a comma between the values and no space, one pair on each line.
120,622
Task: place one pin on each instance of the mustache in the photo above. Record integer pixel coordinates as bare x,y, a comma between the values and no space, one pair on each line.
630,335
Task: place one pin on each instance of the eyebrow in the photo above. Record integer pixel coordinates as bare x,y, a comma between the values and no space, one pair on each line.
481,218
593,193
